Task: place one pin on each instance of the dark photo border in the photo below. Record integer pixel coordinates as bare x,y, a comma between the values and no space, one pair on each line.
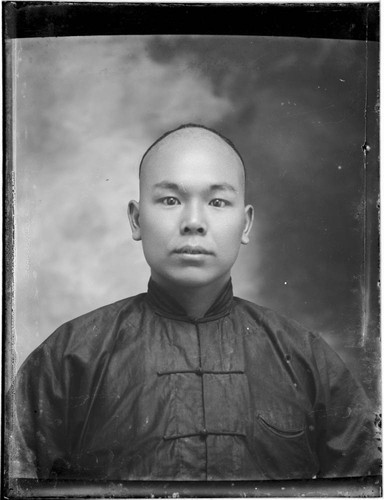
356,21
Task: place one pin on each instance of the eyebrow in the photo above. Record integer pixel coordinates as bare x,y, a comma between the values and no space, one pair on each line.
225,186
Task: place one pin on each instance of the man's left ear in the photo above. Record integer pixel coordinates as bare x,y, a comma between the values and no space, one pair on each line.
248,224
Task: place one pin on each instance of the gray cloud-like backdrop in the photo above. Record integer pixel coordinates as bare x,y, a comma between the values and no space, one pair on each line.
86,109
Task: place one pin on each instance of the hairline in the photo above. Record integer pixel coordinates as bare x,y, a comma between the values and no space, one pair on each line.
193,126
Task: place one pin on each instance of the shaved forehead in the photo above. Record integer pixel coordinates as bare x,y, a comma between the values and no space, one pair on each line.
189,135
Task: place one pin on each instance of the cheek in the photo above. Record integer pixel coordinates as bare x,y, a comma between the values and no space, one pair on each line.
155,229
230,248
230,228
229,238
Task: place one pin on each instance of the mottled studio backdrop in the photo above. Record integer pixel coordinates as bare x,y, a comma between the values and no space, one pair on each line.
85,110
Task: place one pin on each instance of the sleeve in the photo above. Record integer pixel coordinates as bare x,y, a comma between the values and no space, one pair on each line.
35,417
348,441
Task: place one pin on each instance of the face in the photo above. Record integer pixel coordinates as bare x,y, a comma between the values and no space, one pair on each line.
191,217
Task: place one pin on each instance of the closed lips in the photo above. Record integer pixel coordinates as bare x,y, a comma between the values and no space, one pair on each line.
192,250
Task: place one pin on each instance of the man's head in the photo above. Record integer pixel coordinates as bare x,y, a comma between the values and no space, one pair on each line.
191,216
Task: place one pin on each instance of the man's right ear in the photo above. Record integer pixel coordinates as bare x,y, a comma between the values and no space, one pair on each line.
133,216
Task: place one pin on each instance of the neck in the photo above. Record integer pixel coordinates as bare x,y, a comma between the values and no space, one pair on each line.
195,300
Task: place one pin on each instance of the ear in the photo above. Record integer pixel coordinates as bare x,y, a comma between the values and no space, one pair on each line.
133,216
248,212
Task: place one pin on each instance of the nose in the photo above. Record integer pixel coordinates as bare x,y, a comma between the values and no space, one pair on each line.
193,221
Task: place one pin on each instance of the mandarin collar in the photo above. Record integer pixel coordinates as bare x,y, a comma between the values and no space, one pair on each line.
167,306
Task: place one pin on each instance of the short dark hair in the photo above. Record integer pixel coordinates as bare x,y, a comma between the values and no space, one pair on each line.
193,125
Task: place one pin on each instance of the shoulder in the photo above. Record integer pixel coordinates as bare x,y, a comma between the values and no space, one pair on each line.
92,331
268,318
104,314
275,333
275,326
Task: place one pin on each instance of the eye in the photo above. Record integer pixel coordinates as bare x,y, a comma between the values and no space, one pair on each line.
170,201
218,203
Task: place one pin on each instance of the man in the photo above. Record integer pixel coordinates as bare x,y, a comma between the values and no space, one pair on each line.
187,382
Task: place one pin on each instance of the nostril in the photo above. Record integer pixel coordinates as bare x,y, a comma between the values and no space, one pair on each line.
193,228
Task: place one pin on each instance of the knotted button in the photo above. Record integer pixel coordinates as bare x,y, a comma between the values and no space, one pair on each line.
204,433
199,371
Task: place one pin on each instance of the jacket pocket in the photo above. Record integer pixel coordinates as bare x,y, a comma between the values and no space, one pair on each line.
281,442
283,433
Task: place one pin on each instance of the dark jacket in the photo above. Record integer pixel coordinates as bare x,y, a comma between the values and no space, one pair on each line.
138,391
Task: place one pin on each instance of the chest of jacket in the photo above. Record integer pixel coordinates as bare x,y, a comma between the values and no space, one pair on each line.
181,400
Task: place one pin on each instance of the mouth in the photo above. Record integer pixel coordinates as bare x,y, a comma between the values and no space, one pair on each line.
192,250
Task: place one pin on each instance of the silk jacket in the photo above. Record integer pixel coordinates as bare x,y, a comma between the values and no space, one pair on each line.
136,390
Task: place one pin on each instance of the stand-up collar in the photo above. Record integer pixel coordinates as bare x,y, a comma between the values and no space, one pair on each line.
167,306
